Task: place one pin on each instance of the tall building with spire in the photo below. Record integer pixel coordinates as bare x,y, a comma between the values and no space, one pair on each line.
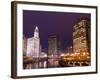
36,43
33,44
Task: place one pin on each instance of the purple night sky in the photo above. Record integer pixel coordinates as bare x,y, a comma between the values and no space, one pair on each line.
51,23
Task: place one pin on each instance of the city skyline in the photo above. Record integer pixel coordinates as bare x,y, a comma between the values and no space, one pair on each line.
79,55
51,23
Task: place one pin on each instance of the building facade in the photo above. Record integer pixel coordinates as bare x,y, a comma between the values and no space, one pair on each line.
24,46
53,45
33,44
81,36
30,46
53,51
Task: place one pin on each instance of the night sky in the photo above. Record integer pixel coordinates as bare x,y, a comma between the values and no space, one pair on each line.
51,23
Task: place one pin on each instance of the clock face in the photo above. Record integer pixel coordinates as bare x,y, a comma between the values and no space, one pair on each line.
36,35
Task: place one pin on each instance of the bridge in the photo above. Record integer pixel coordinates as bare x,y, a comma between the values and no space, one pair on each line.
72,61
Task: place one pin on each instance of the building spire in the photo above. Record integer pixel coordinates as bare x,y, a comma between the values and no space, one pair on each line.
36,32
36,29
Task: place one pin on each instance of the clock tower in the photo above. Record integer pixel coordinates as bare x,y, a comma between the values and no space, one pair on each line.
36,47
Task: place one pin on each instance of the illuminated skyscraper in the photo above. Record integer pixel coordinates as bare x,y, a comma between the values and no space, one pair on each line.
81,36
33,44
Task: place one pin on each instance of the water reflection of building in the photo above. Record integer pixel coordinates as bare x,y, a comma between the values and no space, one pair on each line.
43,60
81,36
